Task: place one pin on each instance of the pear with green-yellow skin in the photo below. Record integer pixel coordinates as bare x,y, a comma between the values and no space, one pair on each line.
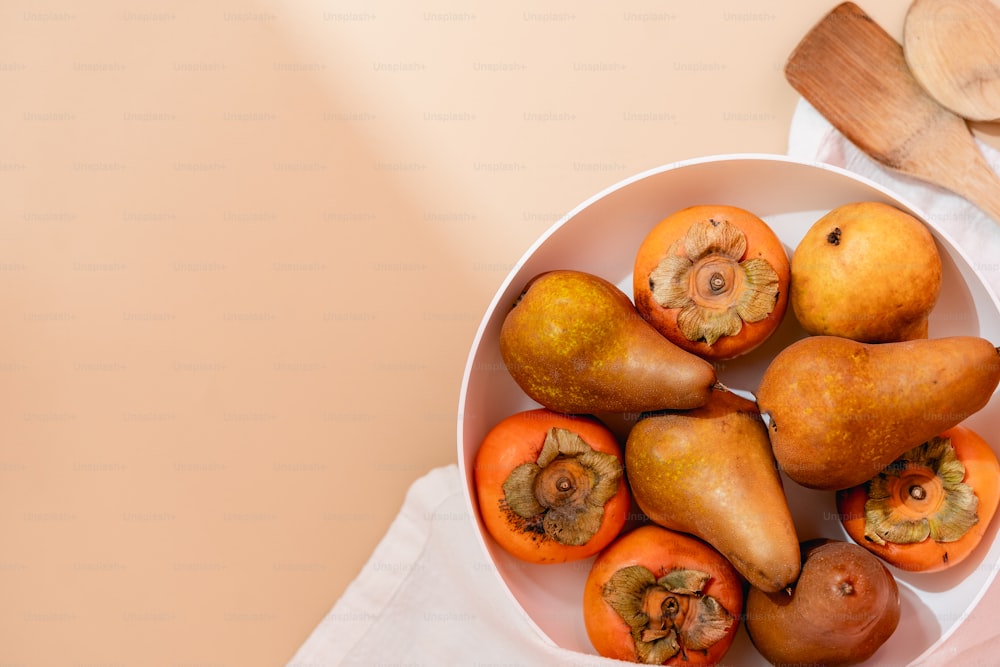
710,472
839,411
575,343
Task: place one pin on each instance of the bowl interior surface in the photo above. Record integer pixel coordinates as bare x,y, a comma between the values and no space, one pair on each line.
601,236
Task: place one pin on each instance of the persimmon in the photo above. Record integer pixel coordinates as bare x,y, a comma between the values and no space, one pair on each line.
661,597
929,509
713,279
551,487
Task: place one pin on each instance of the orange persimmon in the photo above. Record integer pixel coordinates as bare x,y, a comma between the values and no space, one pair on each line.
712,279
662,597
929,509
551,487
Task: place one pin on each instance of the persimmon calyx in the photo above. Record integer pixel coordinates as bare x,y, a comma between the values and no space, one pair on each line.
563,492
667,615
921,496
715,291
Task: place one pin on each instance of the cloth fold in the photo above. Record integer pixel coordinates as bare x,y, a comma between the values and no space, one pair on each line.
429,595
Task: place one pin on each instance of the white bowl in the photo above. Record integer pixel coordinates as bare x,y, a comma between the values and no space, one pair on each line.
601,236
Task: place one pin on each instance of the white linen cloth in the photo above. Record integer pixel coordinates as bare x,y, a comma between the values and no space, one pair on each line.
425,578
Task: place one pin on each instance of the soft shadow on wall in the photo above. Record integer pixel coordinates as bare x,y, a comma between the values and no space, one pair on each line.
227,313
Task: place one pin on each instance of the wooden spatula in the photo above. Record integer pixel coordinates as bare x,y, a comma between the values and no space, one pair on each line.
853,72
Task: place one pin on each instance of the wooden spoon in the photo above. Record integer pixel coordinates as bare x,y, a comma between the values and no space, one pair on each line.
853,72
953,50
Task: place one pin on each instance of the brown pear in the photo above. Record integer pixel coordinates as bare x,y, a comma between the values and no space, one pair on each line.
840,411
575,343
710,472
844,607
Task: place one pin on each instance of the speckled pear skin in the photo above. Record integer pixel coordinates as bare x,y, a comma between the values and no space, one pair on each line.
839,411
866,271
575,343
710,472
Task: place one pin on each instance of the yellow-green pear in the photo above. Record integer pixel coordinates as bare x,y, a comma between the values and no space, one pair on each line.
839,411
575,343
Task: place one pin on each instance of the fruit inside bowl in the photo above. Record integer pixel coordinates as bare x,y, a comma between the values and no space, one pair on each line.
602,237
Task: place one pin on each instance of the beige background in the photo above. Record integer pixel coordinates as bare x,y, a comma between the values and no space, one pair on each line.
244,247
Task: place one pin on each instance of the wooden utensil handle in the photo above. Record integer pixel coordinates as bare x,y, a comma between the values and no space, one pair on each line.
981,186
855,74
